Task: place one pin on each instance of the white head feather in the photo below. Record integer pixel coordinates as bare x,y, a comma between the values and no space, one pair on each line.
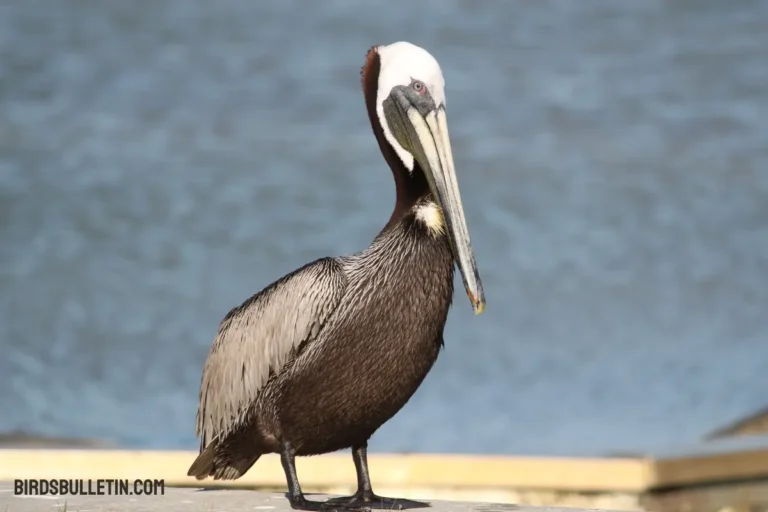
401,63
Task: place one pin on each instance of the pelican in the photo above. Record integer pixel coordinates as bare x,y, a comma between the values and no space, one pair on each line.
318,360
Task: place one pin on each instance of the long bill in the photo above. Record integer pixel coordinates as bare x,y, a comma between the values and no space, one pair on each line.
432,150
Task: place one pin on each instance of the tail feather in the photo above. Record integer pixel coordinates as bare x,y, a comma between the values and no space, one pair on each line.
222,463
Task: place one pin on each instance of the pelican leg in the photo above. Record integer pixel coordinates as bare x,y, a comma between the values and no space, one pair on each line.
295,496
365,498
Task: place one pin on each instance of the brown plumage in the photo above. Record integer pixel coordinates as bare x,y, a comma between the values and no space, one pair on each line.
345,374
320,359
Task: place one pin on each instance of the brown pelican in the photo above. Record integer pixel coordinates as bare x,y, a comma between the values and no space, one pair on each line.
321,358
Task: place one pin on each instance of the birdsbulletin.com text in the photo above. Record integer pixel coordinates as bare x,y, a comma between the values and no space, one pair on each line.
88,487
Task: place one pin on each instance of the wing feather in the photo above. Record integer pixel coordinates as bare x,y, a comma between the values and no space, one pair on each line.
258,338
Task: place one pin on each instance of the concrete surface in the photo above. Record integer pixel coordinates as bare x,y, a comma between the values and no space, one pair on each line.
197,500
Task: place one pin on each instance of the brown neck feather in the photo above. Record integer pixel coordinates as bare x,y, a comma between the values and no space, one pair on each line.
410,187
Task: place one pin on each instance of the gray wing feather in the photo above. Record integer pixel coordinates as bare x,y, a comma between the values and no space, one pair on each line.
258,338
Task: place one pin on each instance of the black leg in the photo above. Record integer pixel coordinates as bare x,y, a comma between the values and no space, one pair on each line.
295,496
365,498
360,457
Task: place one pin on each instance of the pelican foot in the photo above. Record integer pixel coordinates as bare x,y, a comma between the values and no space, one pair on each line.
301,503
370,501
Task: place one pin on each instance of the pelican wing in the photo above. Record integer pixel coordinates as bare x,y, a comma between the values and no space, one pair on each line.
258,338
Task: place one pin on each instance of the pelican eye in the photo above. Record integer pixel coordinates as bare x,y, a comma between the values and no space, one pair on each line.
418,86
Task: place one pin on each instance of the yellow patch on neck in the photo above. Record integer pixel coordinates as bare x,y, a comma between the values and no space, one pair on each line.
431,216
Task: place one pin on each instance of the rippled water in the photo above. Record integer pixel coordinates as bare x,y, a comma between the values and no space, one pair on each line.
161,161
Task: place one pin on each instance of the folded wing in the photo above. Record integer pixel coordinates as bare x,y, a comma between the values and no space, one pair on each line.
259,337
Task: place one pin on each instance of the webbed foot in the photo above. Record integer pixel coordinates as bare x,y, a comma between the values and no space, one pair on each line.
370,501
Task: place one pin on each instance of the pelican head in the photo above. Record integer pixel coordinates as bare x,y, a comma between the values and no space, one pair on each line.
410,106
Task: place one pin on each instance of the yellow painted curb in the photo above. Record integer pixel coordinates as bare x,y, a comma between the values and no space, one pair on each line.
708,463
441,471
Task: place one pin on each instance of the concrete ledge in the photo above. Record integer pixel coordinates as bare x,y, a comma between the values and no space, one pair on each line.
729,459
192,500
337,469
723,471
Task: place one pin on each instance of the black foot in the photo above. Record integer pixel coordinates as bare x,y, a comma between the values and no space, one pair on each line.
301,503
370,501
342,505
